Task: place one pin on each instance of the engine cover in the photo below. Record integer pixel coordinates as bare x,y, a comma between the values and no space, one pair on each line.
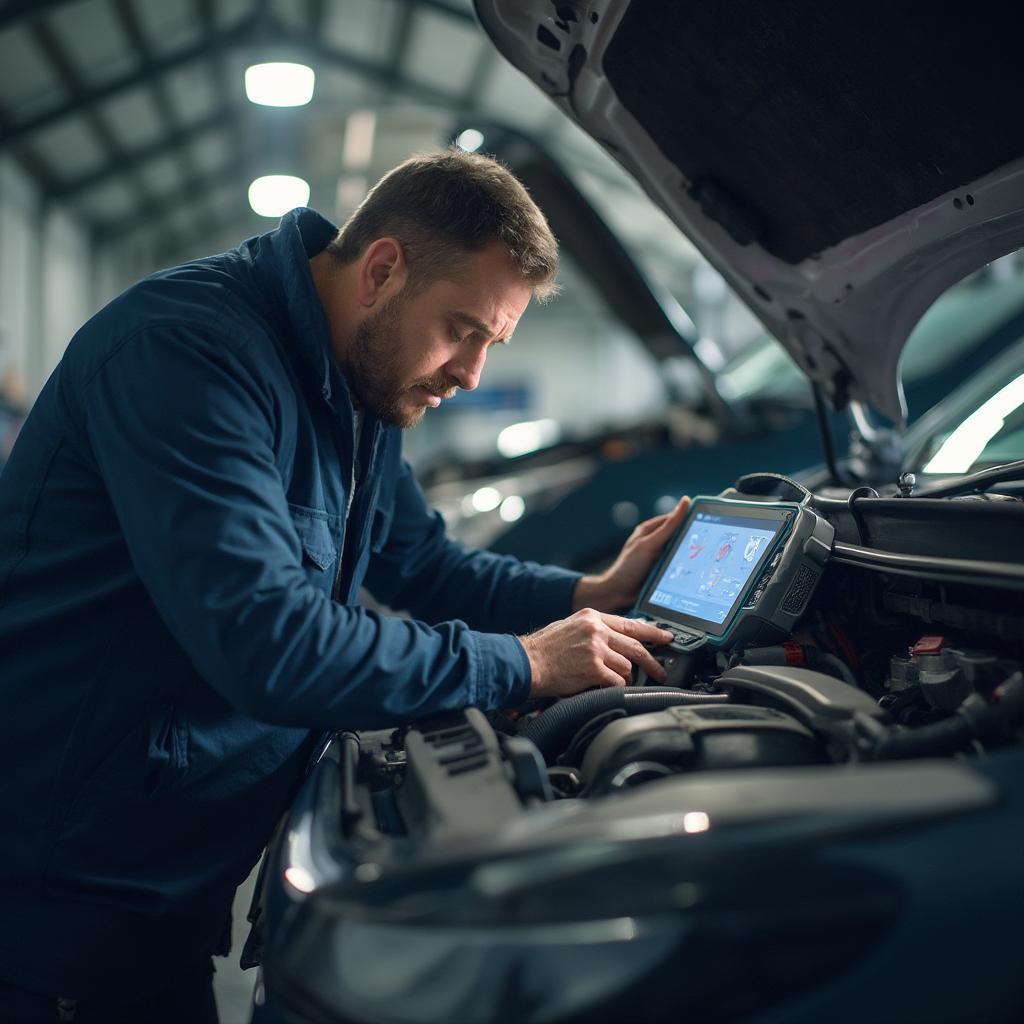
708,736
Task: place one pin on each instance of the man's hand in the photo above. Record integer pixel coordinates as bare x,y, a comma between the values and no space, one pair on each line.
590,648
619,585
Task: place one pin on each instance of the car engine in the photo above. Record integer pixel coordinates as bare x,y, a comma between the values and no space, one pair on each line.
883,665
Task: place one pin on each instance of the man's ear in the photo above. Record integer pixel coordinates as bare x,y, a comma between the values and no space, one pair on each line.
382,272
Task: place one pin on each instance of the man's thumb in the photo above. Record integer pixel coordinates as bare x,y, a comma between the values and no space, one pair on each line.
677,514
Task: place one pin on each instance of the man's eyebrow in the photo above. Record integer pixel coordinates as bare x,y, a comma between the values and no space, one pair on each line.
478,325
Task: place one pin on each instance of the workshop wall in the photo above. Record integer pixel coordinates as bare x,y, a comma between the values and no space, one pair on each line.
53,277
20,297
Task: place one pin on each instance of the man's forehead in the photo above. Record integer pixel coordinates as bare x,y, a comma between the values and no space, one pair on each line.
490,305
491,277
469,320
503,327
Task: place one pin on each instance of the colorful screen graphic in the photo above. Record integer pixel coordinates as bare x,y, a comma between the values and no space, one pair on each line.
713,565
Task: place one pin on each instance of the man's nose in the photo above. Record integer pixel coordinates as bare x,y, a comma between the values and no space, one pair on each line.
466,369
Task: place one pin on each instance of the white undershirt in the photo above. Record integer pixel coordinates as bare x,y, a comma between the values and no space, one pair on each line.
357,434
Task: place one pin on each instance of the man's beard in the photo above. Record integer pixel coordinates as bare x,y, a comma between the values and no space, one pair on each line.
373,369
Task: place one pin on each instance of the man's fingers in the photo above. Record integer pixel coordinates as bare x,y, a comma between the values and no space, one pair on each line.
649,526
637,654
645,632
676,516
666,522
619,664
609,678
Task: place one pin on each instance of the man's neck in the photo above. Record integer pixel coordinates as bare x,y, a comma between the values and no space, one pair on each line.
331,281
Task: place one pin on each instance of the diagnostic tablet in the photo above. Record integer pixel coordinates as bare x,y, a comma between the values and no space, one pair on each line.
737,573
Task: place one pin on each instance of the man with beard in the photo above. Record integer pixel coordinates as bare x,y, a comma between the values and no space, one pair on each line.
209,476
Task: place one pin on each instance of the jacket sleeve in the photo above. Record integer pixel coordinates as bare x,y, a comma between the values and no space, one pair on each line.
182,431
421,569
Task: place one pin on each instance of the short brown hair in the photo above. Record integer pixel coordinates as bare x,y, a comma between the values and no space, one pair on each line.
441,207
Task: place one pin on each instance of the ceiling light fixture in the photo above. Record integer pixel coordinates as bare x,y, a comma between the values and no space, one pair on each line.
521,438
512,508
485,499
470,140
279,84
275,194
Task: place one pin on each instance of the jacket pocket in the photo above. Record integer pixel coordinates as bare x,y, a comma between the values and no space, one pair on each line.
314,535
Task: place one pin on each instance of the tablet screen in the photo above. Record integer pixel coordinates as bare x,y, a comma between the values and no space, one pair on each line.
707,573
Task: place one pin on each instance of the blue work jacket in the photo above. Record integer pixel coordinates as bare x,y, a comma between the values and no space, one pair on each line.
178,612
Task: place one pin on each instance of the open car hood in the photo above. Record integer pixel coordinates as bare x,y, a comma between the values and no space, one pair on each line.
840,164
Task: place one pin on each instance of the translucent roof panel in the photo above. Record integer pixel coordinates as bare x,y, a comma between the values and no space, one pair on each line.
30,83
192,91
364,27
70,147
169,25
134,118
95,42
443,52
162,174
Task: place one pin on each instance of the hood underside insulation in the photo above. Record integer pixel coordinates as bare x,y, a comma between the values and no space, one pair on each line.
800,124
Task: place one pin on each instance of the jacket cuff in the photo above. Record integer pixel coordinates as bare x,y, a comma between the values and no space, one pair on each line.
552,599
503,674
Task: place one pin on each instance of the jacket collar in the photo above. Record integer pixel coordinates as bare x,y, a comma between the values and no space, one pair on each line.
282,260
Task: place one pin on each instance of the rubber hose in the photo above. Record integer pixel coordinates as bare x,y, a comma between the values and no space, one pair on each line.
935,740
975,719
552,729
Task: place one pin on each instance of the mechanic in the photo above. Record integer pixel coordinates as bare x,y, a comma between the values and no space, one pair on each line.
206,480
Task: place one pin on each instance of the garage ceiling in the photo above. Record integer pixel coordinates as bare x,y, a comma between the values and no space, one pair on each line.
133,112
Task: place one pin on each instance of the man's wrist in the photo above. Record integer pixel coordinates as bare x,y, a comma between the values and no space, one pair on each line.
532,660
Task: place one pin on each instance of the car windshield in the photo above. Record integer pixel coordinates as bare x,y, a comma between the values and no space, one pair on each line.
979,422
982,424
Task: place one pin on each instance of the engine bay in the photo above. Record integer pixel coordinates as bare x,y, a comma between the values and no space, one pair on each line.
880,665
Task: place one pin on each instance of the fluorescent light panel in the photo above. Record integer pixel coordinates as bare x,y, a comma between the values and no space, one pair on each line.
512,508
279,84
275,194
470,140
521,438
485,499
